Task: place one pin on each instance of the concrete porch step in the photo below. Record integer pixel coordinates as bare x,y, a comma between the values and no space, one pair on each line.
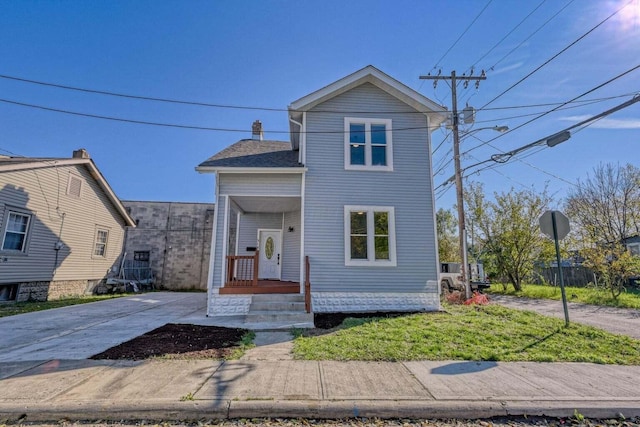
260,298
280,316
276,306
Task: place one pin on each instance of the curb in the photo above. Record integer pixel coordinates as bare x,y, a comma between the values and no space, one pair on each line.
344,409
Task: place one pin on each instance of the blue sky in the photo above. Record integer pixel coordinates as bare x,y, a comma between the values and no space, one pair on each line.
270,53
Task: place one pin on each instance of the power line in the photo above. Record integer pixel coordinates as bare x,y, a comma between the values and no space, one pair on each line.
462,35
173,125
492,68
556,55
561,105
506,35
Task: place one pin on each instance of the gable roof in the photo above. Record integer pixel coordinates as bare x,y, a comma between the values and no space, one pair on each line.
369,74
253,154
8,164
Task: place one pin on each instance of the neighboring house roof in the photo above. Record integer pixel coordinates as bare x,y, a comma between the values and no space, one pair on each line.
253,154
8,164
369,74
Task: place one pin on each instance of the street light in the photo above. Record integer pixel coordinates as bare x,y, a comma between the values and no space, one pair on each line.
501,129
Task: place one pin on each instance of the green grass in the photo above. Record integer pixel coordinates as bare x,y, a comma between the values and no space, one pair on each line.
490,333
10,308
600,296
245,344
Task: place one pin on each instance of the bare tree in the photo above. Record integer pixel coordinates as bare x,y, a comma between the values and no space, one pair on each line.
605,210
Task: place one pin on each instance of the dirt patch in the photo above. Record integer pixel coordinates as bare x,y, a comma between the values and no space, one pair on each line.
175,341
332,320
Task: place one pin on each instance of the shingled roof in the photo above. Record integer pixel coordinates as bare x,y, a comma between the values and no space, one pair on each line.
250,153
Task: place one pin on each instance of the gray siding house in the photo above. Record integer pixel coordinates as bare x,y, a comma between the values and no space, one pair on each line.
61,227
346,205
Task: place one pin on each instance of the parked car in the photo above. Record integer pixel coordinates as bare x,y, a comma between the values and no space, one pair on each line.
451,278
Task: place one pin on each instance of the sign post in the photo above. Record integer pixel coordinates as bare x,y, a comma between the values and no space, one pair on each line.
555,225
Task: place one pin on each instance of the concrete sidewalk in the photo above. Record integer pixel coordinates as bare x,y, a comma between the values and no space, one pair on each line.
181,390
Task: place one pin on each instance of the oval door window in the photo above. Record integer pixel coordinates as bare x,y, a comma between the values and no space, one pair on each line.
268,248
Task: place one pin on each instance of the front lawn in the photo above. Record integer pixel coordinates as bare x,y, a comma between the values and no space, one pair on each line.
11,308
468,333
599,296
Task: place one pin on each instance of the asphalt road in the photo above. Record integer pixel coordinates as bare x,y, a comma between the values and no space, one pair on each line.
623,321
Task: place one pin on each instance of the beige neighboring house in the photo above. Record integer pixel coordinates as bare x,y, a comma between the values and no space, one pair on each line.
61,227
174,238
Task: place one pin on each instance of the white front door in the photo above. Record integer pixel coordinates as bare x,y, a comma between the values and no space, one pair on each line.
270,249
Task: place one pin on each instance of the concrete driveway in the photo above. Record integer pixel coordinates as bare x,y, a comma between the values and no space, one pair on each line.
622,321
80,331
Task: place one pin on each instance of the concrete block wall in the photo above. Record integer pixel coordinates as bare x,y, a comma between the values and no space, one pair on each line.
46,291
178,238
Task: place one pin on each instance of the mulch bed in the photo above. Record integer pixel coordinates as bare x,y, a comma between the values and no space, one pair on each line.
175,341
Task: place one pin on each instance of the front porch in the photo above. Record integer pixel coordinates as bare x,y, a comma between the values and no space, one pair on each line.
242,278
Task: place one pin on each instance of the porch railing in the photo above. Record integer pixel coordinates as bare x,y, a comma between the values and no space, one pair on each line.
307,285
242,270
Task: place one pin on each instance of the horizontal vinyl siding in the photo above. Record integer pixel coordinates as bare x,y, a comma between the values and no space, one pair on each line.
249,225
291,247
329,187
260,184
43,192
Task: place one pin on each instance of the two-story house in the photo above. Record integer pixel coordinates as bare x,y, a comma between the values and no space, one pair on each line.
346,205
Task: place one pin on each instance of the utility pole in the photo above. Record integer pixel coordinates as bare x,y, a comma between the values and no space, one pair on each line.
464,265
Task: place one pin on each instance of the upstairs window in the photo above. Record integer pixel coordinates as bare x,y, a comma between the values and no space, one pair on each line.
369,236
100,245
16,231
368,144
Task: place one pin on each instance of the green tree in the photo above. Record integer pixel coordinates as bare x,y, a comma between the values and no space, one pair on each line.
605,209
508,231
447,229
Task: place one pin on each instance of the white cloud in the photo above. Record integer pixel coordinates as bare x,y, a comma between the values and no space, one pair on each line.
606,123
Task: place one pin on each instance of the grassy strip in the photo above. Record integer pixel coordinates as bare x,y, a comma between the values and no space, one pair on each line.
10,309
469,333
599,296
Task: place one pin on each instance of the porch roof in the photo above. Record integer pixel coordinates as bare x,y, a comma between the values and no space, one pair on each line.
267,204
249,153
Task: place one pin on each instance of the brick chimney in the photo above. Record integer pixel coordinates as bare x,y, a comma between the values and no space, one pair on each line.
256,131
81,153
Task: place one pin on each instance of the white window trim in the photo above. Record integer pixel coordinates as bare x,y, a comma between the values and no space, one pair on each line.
367,147
95,242
71,178
5,226
371,261
633,245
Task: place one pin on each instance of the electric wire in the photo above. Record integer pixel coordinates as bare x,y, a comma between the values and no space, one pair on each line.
573,43
507,35
561,105
492,68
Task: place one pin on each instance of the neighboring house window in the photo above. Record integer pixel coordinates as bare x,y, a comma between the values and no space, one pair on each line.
100,247
634,248
369,236
141,256
16,232
74,186
368,144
